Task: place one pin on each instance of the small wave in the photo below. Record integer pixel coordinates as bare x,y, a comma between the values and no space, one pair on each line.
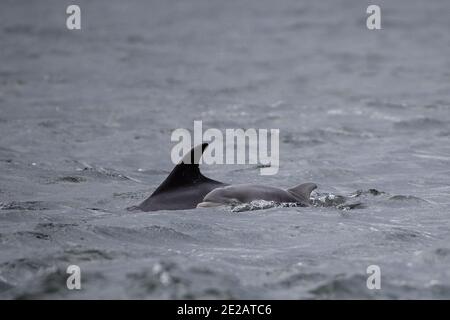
263,204
58,230
407,198
420,123
403,201
442,252
33,234
342,287
51,284
27,237
300,142
388,199
100,172
77,254
17,271
372,192
131,195
169,280
299,279
54,226
4,286
330,133
354,286
159,275
28,205
386,104
45,285
71,179
23,264
153,172
403,234
22,29
145,234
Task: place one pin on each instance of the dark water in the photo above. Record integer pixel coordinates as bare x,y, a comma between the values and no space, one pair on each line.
85,125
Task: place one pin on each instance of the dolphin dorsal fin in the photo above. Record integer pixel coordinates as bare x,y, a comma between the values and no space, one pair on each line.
303,191
186,172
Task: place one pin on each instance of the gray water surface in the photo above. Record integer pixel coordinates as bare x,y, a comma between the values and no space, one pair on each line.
85,124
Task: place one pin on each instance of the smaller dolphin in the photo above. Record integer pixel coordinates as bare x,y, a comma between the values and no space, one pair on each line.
245,193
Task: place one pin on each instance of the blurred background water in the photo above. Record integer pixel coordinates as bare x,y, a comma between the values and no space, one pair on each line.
85,125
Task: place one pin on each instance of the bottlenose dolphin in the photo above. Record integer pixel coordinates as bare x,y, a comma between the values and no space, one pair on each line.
187,188
184,188
245,193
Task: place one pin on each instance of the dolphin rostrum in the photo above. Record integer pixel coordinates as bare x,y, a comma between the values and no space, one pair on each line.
184,188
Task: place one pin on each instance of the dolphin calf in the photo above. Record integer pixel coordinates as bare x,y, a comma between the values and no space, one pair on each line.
184,188
245,193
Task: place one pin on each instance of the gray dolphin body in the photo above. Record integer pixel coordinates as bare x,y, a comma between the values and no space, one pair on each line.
184,188
245,193
187,188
